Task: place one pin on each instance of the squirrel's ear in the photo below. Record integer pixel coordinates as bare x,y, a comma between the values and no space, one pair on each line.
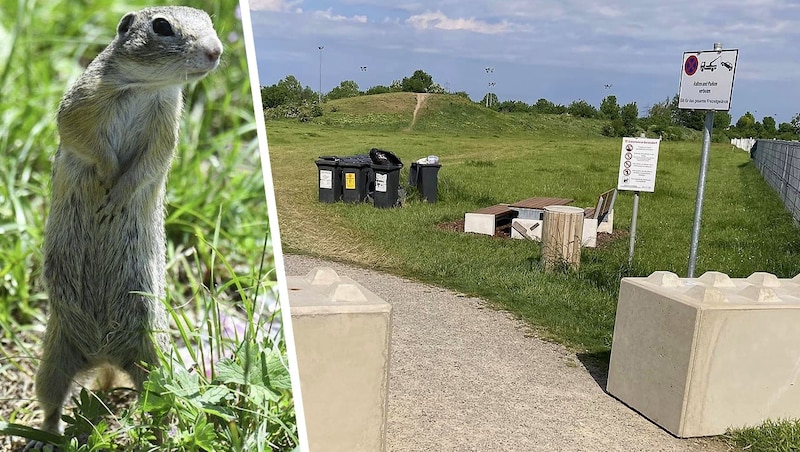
125,23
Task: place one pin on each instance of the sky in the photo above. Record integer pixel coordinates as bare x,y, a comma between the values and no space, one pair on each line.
560,50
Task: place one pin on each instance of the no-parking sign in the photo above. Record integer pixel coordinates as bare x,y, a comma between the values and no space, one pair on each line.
707,80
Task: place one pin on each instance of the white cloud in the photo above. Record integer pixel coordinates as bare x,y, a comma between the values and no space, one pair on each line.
275,5
328,14
439,20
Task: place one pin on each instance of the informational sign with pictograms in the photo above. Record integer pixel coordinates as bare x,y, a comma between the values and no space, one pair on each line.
637,164
707,80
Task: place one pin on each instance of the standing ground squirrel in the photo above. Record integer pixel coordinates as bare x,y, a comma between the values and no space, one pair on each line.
104,247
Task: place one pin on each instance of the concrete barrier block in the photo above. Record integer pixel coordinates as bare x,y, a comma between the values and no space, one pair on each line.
697,356
341,336
479,223
589,239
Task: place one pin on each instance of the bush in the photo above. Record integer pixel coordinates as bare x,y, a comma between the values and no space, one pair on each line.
582,109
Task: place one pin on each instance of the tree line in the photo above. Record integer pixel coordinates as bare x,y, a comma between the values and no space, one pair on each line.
289,99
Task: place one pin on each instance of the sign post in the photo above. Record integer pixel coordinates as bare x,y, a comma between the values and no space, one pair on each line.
637,173
706,84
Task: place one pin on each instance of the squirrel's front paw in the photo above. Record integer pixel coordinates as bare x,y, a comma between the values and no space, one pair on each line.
109,209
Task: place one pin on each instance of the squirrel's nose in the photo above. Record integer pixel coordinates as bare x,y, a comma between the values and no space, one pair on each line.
212,49
213,53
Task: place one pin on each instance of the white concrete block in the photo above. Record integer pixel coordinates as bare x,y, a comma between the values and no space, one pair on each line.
589,239
697,356
479,223
341,337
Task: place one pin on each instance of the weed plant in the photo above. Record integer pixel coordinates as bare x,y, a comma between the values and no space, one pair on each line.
234,395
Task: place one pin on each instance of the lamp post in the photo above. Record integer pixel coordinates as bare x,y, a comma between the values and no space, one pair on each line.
363,69
320,72
489,71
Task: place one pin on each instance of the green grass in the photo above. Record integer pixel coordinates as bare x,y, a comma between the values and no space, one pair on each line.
516,157
488,158
216,212
771,436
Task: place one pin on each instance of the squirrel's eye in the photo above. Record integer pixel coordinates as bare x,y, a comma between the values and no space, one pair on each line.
162,27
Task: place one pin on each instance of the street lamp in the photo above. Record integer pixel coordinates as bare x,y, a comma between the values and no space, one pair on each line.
489,70
363,69
320,72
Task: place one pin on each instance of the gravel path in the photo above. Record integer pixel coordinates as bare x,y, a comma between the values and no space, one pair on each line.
466,377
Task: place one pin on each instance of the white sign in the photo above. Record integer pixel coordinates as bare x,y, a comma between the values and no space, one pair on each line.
380,182
707,80
637,164
326,179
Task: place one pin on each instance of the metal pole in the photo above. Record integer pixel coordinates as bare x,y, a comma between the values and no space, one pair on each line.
320,73
701,185
701,189
633,226
489,71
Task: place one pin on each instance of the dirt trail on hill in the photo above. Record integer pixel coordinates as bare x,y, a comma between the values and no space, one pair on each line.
421,98
466,377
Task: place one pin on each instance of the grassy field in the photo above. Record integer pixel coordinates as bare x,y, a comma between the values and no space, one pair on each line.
216,226
489,158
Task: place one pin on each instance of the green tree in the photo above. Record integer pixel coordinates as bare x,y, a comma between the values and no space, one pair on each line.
547,107
661,113
609,109
722,120
347,88
436,88
287,91
271,97
769,129
512,106
786,131
490,100
693,119
582,109
419,82
379,89
746,121
629,114
795,123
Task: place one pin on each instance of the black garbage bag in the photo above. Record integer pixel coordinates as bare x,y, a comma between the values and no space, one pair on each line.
381,157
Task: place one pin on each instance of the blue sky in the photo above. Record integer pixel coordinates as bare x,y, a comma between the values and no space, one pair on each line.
562,50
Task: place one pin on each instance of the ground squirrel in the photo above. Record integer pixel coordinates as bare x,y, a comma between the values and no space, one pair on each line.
104,246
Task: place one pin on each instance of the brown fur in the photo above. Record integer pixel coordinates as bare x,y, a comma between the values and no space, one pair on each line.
104,251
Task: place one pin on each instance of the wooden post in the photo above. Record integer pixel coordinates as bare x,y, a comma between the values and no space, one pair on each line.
562,232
